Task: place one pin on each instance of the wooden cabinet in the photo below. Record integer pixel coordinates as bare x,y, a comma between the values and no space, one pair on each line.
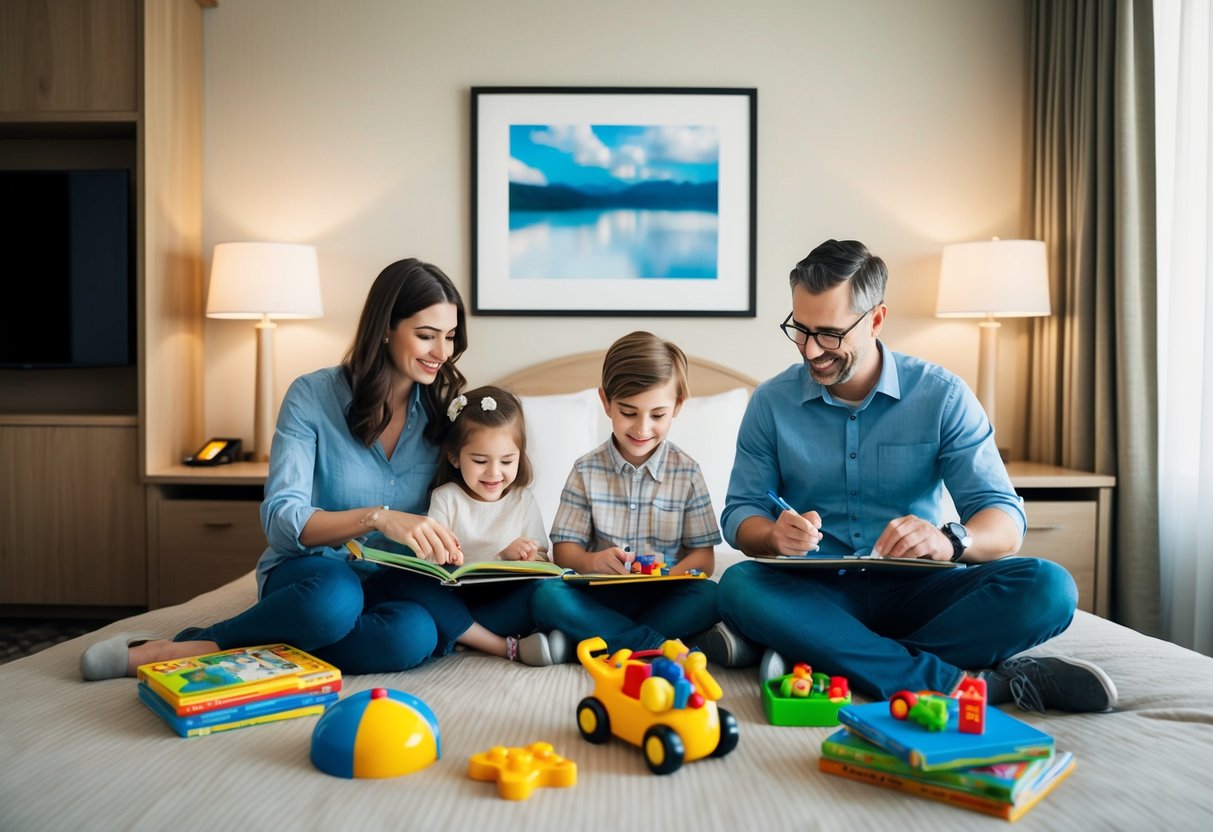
1070,522
73,509
105,83
202,544
205,528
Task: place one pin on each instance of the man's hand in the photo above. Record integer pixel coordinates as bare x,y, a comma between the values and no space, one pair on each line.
608,562
524,548
795,534
912,537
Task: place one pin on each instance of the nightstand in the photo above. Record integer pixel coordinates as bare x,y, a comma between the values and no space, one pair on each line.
1069,522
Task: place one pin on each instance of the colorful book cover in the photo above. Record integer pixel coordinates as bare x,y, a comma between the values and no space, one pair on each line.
478,572
1005,740
1058,769
237,713
220,702
217,677
603,579
163,710
1001,781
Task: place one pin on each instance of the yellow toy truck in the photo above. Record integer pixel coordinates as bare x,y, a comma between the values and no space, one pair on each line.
663,701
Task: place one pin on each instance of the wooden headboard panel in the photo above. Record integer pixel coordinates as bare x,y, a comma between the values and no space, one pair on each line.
573,373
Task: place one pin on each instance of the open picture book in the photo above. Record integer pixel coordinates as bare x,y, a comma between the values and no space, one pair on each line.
500,570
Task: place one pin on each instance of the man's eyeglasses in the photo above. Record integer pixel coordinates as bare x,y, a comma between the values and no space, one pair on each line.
799,335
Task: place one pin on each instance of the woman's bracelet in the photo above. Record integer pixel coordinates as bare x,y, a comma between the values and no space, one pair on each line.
368,522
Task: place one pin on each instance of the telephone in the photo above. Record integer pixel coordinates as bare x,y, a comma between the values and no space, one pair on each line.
218,450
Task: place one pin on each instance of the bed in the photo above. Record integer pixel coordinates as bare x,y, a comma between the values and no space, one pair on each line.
77,755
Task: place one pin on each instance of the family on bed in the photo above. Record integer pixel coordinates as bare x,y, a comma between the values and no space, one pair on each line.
859,440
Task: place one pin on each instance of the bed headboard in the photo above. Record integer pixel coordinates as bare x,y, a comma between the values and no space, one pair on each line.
571,373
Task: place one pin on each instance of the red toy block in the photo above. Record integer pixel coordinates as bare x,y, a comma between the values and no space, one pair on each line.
971,695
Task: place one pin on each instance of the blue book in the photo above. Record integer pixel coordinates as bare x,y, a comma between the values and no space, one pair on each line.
238,716
1006,739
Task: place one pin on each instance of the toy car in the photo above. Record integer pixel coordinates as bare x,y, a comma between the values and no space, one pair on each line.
928,710
666,706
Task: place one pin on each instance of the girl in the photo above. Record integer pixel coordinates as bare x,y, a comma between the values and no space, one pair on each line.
481,494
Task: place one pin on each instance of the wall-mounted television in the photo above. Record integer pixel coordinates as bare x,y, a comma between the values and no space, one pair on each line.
67,273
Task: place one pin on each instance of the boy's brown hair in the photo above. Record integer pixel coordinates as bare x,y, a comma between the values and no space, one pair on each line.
505,411
640,361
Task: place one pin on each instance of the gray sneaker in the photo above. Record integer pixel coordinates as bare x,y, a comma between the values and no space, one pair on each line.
1063,684
770,666
724,647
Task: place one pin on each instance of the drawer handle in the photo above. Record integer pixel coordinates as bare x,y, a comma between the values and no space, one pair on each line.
1044,528
218,524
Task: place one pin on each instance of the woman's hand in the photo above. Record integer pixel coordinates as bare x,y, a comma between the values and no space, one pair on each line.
428,538
524,548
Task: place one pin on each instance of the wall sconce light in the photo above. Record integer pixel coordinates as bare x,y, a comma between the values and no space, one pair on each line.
262,281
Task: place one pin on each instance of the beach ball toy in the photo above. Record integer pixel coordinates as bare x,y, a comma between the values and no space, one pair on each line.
376,733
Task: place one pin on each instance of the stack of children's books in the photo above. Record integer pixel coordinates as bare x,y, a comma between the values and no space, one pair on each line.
1004,770
236,688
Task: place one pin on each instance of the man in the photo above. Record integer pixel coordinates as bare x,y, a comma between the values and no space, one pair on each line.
860,441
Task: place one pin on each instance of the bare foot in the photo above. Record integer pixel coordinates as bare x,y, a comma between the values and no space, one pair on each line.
163,650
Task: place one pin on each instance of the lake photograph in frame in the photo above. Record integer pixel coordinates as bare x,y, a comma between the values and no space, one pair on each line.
613,201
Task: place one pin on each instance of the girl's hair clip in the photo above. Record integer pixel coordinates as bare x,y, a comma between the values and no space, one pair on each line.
458,404
487,403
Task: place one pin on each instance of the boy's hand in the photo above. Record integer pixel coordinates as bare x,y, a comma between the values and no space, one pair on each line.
521,549
794,534
608,562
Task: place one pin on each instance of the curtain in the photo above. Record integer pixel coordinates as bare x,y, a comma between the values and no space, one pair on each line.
1093,391
1184,41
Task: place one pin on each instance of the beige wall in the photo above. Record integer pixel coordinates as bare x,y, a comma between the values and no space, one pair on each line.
345,125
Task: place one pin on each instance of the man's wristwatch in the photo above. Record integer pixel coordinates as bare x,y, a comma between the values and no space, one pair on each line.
959,537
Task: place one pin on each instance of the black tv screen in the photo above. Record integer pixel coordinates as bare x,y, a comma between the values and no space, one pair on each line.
66,269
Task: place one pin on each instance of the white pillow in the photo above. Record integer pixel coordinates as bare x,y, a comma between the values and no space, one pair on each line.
706,428
559,429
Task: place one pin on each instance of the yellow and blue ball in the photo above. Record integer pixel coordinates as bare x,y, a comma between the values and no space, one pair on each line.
376,733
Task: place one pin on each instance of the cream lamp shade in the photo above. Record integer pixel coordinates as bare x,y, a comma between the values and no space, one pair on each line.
993,279
263,281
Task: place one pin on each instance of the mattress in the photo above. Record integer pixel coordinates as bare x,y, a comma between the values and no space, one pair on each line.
79,755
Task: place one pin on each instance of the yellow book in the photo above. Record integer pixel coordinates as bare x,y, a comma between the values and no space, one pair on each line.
229,674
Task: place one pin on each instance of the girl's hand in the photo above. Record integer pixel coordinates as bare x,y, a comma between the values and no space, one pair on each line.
428,538
521,549
611,561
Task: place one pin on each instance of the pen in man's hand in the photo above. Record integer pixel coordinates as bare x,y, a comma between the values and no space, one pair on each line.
780,502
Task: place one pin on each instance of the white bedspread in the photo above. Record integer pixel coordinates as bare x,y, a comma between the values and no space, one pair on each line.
76,755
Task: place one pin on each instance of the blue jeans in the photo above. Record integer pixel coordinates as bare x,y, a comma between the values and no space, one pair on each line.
368,620
633,616
888,631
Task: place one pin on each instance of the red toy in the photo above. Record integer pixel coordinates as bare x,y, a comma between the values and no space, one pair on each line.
972,697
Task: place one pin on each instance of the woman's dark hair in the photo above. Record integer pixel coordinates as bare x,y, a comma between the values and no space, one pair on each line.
504,411
400,291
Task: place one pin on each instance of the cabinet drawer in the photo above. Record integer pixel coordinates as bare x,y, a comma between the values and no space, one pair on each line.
1065,532
204,544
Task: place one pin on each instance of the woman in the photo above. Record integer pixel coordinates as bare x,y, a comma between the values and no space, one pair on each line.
355,449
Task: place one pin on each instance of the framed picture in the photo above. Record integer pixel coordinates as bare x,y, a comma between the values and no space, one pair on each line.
613,201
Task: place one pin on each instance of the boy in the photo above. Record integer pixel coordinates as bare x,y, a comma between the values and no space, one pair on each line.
635,494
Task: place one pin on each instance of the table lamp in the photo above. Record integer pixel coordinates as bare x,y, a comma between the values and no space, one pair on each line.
262,281
992,279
